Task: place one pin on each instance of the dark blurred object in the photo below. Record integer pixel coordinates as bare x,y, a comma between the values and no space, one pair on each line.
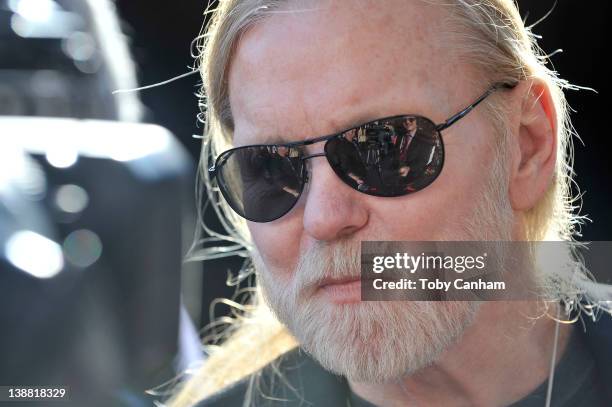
160,37
62,58
94,216
91,245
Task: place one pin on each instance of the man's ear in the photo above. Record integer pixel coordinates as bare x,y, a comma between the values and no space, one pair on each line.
533,167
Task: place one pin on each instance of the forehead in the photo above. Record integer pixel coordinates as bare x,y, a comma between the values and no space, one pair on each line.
319,67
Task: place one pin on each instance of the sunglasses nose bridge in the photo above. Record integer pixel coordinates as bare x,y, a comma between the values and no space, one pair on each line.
306,172
308,157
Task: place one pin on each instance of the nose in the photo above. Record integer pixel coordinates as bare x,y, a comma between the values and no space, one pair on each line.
332,209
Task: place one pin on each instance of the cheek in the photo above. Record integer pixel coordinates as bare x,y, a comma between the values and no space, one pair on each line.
278,244
439,209
465,178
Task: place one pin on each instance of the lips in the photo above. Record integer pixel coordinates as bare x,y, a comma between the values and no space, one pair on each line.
341,290
339,281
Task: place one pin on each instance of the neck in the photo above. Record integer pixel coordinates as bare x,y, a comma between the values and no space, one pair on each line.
502,357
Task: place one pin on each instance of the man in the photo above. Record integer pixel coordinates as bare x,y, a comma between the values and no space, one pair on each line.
306,74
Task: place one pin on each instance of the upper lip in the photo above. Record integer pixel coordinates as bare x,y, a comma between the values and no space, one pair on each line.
339,280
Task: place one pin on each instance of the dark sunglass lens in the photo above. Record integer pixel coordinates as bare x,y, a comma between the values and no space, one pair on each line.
261,183
390,157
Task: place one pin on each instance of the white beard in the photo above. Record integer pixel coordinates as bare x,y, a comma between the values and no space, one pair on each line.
373,341
376,341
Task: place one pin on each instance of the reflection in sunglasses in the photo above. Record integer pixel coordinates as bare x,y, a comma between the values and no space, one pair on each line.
291,191
403,171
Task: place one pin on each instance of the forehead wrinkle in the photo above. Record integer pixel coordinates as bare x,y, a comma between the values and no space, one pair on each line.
260,127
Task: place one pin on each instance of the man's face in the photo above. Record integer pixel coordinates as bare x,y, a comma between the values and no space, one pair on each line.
318,70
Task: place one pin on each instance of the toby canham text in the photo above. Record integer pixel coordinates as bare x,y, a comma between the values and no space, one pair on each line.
437,284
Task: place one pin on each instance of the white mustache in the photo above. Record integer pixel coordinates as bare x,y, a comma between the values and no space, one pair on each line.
323,260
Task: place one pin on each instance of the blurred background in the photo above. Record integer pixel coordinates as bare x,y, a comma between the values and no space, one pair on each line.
95,217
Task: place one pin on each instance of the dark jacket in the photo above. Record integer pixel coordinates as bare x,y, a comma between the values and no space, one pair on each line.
318,388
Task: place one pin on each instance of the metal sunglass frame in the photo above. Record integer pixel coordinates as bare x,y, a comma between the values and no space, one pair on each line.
219,161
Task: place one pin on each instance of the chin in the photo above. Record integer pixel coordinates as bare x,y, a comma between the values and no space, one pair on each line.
379,341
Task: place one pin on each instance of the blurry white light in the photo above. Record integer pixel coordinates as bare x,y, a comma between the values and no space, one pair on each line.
82,248
20,26
80,46
19,171
67,140
35,10
28,23
89,66
11,162
133,147
62,157
34,254
71,198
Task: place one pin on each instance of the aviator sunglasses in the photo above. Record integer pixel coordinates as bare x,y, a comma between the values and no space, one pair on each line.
388,157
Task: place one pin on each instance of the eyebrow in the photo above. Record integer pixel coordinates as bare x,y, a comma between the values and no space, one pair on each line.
357,121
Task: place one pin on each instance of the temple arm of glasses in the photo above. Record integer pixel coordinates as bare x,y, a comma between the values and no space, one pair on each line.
453,119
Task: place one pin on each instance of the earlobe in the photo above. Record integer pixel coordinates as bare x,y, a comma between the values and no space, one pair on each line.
537,146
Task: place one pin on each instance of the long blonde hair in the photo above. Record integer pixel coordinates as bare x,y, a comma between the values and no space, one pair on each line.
494,39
